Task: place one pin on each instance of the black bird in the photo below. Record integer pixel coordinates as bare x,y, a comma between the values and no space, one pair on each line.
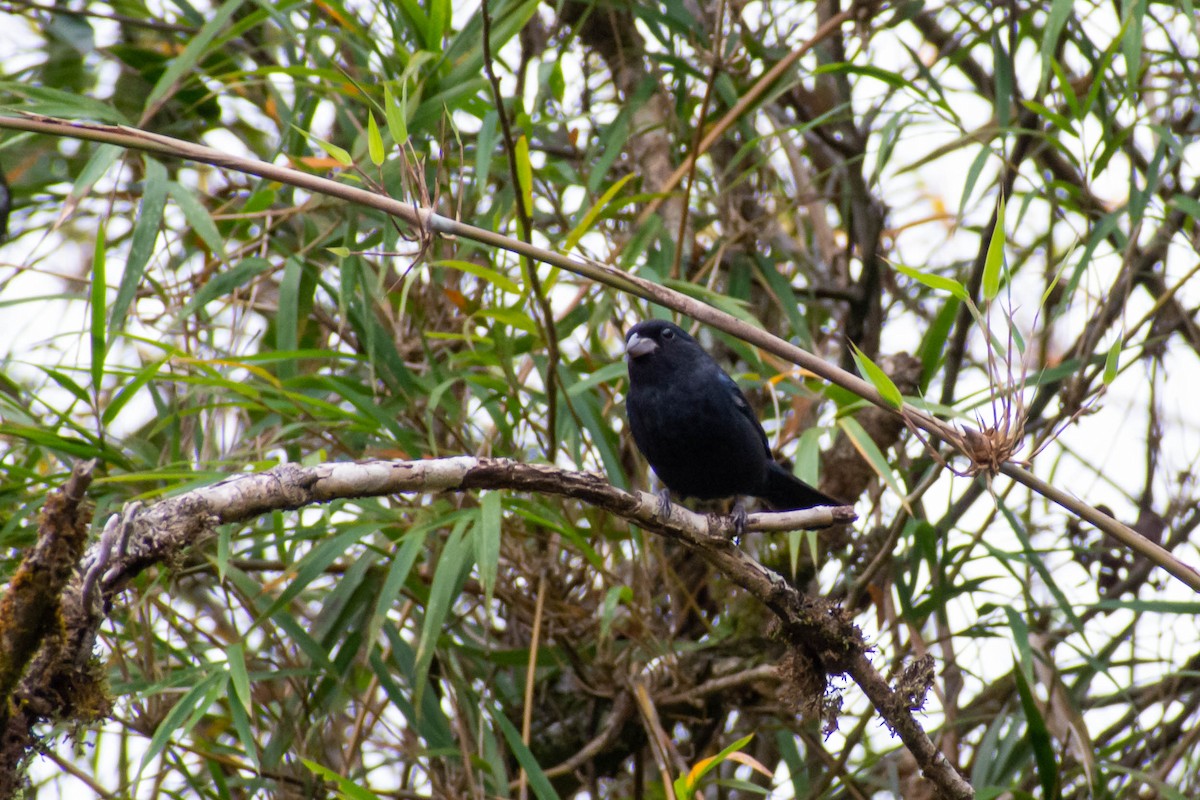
696,428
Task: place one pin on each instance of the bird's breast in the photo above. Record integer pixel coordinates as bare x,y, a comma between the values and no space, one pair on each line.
696,439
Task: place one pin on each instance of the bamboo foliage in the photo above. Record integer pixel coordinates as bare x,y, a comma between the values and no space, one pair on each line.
948,251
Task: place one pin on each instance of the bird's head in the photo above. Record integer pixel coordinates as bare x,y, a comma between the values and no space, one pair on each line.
657,341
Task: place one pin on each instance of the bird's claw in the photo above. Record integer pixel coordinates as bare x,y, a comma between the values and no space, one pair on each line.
740,519
664,504
114,542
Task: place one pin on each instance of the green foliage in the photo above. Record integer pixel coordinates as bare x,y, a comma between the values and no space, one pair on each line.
181,323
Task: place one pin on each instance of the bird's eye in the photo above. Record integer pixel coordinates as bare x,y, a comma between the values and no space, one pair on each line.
668,334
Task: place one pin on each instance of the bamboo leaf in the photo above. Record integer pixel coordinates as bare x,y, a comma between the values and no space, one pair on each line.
99,304
239,678
878,378
524,173
287,317
689,783
453,565
374,141
141,245
994,260
346,788
185,64
198,218
939,282
338,154
594,213
497,279
538,781
1112,361
395,113
870,451
485,145
1040,740
486,534
1060,12
184,715
225,282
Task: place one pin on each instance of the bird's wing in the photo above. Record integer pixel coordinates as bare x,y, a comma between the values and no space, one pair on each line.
743,406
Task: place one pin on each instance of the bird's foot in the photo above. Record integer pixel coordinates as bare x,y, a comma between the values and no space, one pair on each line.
740,519
664,503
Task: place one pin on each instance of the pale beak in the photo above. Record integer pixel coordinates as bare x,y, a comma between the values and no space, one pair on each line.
637,346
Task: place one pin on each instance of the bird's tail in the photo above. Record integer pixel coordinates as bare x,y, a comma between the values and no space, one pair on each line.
786,492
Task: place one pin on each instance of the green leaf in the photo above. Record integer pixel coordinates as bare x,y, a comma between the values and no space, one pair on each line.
309,568
890,78
973,173
374,141
66,382
1003,78
614,598
396,116
1187,205
225,282
1190,608
345,787
497,279
240,717
537,777
554,80
594,213
870,451
58,103
454,563
464,52
239,678
512,317
398,571
185,64
101,160
994,261
1112,361
813,539
184,715
797,767
485,145
878,378
1060,12
686,785
141,244
1034,559
287,317
1062,123
934,342
939,282
1063,82
130,388
224,552
524,173
418,21
715,297
1133,12
99,303
439,22
431,723
338,154
1039,738
1113,144
198,218
486,535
